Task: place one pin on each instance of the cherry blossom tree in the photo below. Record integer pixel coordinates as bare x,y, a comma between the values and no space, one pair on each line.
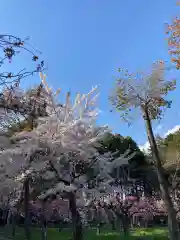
60,150
146,94
12,105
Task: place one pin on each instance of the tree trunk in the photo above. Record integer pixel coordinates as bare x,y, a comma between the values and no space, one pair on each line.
43,222
76,219
113,225
125,223
98,229
98,221
14,218
110,218
172,222
26,210
6,212
9,216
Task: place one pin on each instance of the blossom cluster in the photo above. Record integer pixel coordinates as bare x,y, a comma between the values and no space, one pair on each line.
60,149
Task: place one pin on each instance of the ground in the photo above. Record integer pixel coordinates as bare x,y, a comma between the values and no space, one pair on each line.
54,234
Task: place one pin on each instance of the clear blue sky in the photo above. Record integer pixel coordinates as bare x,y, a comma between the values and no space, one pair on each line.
85,41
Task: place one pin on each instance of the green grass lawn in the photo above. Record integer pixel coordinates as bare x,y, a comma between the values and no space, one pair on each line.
54,234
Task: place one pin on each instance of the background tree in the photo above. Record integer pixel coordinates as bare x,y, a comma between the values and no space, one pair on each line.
13,104
135,171
14,107
169,148
147,94
173,33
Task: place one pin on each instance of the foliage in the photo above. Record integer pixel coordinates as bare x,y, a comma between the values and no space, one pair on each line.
145,208
33,105
137,166
169,148
114,142
145,93
173,33
142,91
61,148
11,108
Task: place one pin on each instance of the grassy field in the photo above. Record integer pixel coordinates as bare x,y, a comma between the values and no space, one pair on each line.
54,234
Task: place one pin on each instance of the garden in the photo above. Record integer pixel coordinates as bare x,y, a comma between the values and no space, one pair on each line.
63,175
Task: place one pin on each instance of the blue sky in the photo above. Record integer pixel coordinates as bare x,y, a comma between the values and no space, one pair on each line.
84,42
